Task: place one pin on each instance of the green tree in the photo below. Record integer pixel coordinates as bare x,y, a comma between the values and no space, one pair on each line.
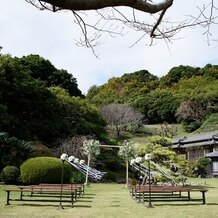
44,70
83,118
160,106
32,111
156,146
92,91
178,73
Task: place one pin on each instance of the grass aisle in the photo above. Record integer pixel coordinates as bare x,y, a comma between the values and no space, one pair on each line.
113,201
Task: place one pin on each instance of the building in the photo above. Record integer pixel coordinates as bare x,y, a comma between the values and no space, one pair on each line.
199,145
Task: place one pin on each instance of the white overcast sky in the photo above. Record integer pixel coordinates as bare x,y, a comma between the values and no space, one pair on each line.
26,30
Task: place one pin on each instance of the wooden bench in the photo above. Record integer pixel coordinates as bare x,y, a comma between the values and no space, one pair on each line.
45,191
80,187
166,192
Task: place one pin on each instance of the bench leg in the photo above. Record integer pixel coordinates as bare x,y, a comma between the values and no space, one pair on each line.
131,193
75,195
203,197
8,198
139,198
72,199
189,198
21,195
143,198
83,189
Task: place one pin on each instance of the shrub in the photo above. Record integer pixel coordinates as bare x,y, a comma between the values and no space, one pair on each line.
110,176
200,168
10,174
44,170
192,126
77,177
185,166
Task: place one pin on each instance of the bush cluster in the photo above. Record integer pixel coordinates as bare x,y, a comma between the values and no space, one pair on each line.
10,175
44,170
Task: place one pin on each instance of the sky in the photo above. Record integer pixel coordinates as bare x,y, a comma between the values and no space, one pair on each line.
26,30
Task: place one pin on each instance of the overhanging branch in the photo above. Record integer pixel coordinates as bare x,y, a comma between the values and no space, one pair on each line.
76,5
113,19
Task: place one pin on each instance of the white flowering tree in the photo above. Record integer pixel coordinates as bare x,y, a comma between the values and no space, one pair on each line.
90,148
127,151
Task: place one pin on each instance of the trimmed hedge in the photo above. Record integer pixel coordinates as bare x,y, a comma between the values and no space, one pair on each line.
10,174
44,170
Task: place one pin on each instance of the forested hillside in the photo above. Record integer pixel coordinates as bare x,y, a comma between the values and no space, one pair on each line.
185,95
41,103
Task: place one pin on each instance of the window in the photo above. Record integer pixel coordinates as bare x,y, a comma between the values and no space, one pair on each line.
215,166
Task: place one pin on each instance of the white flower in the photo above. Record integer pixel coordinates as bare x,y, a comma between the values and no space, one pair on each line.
91,147
82,162
64,157
132,161
71,158
138,160
76,160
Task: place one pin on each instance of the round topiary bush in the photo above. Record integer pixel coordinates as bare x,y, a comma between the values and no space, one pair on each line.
10,174
44,170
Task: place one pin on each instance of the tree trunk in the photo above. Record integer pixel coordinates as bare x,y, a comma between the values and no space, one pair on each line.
118,130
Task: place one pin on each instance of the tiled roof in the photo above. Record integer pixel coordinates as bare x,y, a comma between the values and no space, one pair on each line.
201,139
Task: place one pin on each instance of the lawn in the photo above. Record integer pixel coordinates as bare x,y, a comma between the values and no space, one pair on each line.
114,201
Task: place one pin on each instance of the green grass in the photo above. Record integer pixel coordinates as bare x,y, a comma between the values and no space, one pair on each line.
210,124
114,201
142,137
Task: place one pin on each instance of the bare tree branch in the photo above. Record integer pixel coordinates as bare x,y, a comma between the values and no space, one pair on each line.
113,19
78,5
158,22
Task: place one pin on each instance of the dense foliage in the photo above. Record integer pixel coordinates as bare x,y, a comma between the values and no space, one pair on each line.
186,94
159,148
38,102
43,70
200,168
13,151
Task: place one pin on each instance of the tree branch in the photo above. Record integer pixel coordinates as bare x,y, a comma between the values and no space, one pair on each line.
152,35
76,5
110,14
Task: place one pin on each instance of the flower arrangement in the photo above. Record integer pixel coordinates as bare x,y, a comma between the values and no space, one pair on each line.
91,147
64,157
127,150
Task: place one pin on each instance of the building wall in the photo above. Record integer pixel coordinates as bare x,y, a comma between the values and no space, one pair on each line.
195,153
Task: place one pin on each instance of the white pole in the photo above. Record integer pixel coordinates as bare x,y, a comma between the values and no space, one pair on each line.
87,172
127,173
